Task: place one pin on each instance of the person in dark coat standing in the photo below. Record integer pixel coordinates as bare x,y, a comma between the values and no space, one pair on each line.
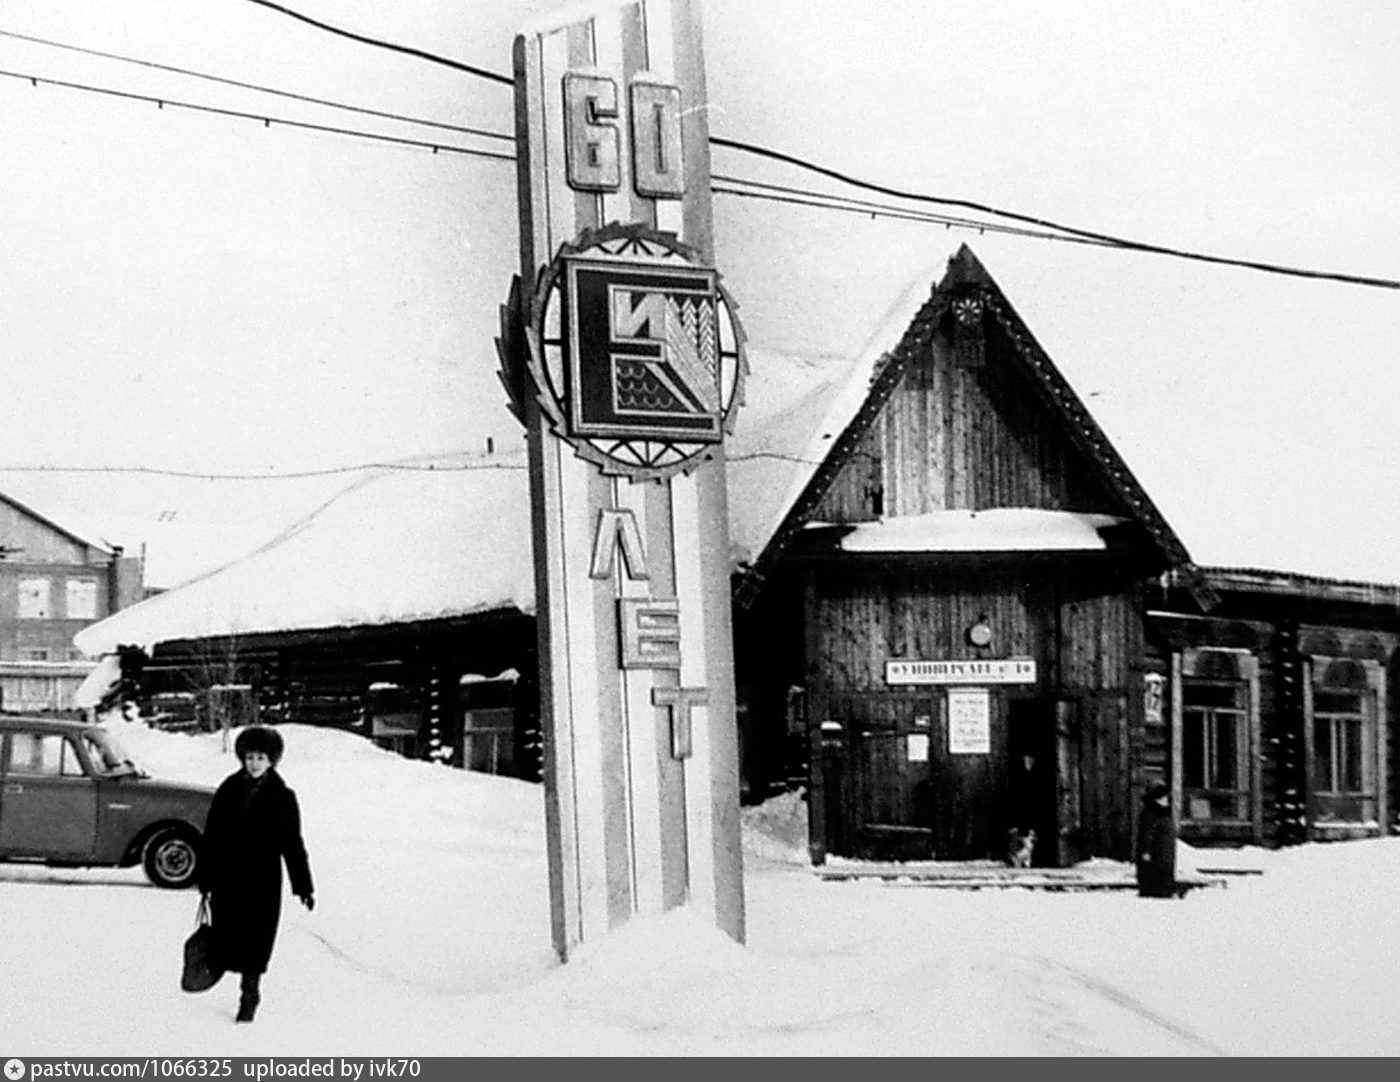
254,825
1156,847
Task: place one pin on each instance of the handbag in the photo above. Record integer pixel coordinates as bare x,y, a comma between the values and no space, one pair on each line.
201,970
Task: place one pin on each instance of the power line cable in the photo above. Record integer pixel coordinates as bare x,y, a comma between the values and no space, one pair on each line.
1105,239
407,50
223,80
333,471
789,195
290,475
267,119
779,193
1085,234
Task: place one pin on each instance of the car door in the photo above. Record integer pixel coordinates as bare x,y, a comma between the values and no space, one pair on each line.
48,804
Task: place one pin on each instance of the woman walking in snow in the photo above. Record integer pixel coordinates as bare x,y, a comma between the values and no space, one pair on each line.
254,825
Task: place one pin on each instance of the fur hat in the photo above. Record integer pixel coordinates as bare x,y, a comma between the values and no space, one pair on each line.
259,738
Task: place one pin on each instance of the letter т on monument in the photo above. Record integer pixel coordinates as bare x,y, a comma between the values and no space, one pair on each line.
623,358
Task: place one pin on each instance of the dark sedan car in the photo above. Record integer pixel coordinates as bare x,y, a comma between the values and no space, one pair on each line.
70,795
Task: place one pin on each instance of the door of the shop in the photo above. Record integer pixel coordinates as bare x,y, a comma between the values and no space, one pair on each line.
891,805
1043,778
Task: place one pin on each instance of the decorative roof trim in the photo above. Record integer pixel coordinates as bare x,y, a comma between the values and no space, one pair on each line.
966,277
1090,439
886,377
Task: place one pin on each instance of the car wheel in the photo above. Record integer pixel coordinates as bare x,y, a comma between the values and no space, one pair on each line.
170,858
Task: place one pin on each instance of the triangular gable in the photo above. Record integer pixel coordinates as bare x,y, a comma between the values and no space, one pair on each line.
44,520
968,299
795,409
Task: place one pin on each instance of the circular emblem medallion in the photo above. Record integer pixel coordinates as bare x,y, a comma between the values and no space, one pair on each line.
635,352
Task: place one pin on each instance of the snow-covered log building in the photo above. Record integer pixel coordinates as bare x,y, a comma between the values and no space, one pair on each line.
401,609
957,611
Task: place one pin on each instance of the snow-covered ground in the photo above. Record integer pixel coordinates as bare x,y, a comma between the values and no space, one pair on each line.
431,937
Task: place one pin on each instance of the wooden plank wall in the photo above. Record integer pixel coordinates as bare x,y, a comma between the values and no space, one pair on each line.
1086,646
869,615
321,678
953,437
1101,641
963,438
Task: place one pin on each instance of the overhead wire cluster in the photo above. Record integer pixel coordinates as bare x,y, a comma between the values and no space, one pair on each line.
897,204
994,219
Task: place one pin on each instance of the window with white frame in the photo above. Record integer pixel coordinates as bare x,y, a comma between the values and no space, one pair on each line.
1343,704
34,599
1217,724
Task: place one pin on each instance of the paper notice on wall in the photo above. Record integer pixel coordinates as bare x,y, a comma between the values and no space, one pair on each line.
1153,693
917,747
969,721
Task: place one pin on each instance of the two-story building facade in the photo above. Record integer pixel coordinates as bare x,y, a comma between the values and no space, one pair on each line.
53,583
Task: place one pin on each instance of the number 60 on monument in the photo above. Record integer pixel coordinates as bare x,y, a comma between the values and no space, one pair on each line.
593,138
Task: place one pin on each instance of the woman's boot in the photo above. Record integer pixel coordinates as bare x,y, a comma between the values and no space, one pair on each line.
248,997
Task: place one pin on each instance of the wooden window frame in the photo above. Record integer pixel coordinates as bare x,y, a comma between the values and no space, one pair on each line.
1185,665
1374,751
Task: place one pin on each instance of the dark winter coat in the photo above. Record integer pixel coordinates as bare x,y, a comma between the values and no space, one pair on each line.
1156,851
253,826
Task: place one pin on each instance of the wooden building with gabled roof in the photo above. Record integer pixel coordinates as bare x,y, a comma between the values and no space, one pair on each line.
956,612
949,618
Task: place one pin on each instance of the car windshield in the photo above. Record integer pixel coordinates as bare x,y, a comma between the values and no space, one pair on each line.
107,754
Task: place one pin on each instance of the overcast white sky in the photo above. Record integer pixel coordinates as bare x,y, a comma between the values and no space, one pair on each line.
185,291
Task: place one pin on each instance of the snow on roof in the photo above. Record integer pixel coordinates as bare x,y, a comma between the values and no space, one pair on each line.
400,545
795,409
1018,529
426,543
1245,475
176,552
1289,472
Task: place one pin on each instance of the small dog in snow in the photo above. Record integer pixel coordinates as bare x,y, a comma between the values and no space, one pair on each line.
1020,848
